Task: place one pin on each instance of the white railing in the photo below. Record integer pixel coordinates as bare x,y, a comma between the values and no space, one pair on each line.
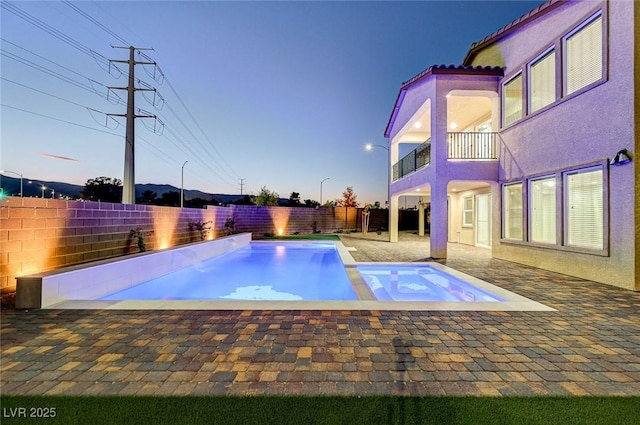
472,145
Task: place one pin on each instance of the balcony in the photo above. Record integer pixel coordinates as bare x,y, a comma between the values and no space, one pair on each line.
414,160
470,146
466,146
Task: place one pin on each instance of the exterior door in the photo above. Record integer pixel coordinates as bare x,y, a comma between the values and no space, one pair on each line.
483,220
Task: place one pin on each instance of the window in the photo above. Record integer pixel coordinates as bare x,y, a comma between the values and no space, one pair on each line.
542,82
512,211
467,211
584,208
542,210
512,100
584,58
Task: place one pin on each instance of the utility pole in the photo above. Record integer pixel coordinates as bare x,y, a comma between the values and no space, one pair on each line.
242,186
129,181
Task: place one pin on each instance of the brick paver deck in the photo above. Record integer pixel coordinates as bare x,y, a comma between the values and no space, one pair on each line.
591,345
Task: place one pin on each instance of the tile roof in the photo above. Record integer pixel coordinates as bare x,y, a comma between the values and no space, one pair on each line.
507,29
453,69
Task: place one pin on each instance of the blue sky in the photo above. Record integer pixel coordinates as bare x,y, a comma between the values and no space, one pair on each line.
280,94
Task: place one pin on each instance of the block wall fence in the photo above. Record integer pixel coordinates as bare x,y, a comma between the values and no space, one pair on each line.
38,235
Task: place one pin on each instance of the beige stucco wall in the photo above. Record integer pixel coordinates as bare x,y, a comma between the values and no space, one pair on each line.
584,129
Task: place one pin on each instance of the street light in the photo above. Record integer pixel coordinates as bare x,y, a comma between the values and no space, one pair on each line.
370,147
17,174
53,192
43,188
182,186
322,181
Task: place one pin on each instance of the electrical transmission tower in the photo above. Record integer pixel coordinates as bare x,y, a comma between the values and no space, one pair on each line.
242,186
129,181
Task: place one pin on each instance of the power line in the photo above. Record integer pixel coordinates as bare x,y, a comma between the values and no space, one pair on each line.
221,163
44,58
101,59
9,7
49,94
200,128
57,75
97,23
58,119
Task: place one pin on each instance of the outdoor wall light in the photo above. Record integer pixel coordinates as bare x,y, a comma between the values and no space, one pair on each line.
622,157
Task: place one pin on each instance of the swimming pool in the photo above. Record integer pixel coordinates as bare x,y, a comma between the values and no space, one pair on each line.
236,273
421,283
282,271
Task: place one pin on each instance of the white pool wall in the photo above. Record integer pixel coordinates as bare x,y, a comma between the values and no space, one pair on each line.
91,282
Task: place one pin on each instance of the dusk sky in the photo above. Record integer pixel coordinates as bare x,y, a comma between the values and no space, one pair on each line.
281,94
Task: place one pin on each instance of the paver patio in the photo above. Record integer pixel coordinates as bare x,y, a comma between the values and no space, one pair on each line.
590,346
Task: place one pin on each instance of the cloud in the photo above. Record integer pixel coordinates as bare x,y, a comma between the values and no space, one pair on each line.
64,158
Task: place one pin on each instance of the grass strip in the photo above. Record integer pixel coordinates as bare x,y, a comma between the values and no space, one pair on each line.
313,237
284,410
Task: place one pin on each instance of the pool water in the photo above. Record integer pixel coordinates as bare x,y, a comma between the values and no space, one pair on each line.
391,282
287,271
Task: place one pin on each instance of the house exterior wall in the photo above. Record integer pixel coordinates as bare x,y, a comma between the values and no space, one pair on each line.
580,130
585,128
458,233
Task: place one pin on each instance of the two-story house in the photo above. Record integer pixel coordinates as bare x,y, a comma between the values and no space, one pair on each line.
528,147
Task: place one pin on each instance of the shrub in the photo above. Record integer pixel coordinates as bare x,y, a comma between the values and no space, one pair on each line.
139,235
202,227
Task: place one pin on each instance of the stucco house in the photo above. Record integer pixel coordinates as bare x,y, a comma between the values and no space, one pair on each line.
528,147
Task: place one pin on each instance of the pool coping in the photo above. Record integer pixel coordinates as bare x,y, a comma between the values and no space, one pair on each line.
366,301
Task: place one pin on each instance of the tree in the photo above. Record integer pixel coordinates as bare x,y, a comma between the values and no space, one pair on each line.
348,200
170,198
199,203
266,197
148,197
105,189
246,200
294,199
311,204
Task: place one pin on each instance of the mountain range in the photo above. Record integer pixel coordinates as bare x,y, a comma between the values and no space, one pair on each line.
33,188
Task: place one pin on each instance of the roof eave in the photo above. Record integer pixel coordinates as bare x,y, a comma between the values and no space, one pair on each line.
508,29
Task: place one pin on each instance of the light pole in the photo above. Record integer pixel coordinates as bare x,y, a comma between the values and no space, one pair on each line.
43,188
53,193
370,147
182,186
322,181
17,174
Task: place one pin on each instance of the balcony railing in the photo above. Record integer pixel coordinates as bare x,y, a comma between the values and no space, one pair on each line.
465,146
472,145
414,160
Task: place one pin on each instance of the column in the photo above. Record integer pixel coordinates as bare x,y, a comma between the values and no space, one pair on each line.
421,219
393,219
439,220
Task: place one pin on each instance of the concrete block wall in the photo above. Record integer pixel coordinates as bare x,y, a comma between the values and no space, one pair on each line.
288,220
39,235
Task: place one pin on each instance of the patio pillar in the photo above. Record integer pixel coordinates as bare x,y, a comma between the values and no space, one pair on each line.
439,218
393,219
421,219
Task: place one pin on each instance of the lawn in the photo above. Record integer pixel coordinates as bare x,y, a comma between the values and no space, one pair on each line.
280,410
310,237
